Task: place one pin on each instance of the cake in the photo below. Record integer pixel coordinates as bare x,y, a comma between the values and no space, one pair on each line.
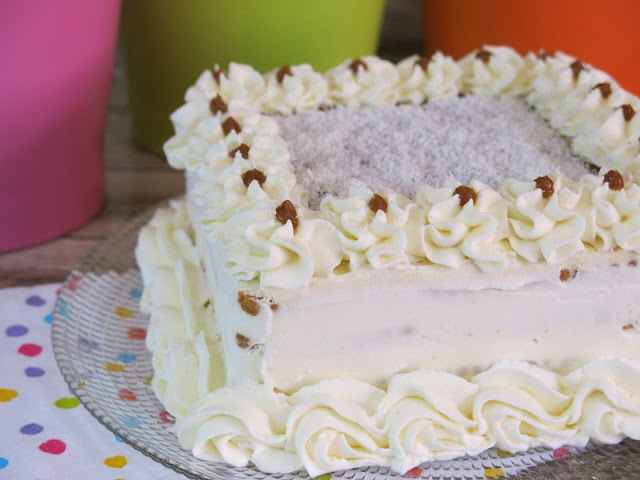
389,264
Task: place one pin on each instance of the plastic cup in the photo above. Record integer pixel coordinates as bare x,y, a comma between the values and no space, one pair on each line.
168,44
56,59
604,34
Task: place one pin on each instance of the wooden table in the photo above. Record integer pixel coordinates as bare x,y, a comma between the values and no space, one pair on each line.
137,180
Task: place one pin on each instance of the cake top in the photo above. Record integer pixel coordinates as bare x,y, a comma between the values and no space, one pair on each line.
254,197
403,147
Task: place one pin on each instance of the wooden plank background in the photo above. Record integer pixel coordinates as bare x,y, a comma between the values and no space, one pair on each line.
137,180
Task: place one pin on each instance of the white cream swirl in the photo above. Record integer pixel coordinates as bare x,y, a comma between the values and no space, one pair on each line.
454,232
365,81
544,228
257,245
370,237
439,80
298,90
598,141
494,71
241,86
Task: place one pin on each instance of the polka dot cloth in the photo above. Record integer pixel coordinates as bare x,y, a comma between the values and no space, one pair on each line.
44,430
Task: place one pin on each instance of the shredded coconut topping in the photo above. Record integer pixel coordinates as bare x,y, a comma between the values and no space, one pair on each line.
403,147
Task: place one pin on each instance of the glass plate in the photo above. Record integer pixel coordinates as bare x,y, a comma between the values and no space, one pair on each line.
98,336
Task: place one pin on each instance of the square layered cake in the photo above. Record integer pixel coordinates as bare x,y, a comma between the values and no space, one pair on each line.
388,264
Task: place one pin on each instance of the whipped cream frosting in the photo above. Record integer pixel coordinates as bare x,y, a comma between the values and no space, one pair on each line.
514,220
422,415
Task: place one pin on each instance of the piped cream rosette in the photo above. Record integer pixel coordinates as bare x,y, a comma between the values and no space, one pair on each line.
223,132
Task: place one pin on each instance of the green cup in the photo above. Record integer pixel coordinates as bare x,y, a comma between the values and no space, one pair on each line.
169,43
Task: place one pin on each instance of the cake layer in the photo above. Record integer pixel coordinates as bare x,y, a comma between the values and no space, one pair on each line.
369,325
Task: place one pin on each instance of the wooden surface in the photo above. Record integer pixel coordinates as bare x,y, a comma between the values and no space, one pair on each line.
137,180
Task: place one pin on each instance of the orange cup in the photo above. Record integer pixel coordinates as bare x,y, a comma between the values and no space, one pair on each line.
604,34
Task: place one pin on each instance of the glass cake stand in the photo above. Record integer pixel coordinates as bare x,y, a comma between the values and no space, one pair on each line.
98,336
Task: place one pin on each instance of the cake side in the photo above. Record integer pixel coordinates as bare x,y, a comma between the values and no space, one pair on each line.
410,418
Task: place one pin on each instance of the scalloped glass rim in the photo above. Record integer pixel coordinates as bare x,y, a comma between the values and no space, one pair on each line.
100,350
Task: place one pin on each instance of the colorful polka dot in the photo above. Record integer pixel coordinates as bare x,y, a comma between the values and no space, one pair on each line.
127,395
31,429
166,417
326,476
414,473
123,312
493,473
116,462
119,440
137,333
135,293
54,447
48,318
88,345
30,350
16,330
3,463
126,357
132,421
36,301
66,403
33,372
561,452
110,367
6,394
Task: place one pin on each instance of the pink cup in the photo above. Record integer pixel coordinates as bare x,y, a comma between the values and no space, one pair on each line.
56,59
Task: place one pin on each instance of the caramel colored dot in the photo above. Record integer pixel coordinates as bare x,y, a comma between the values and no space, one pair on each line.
614,179
230,124
628,327
283,72
242,341
577,67
285,212
465,194
251,175
628,112
218,73
217,105
274,306
546,185
248,303
633,263
544,55
605,89
378,203
243,149
357,64
568,274
423,62
483,55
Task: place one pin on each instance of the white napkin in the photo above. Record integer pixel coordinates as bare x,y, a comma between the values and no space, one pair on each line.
44,431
